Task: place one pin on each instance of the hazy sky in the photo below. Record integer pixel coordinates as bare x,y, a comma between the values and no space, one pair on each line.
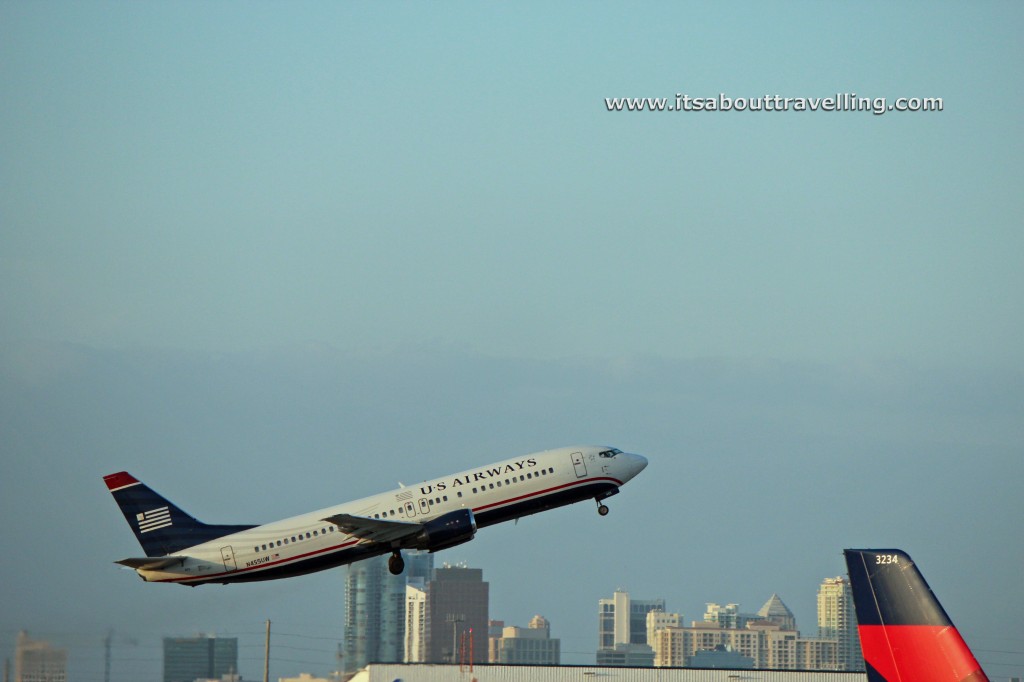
270,257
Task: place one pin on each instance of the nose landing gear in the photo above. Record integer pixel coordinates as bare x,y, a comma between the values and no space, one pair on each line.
602,508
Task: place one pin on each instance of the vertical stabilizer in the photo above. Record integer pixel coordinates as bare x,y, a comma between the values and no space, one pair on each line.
160,526
904,632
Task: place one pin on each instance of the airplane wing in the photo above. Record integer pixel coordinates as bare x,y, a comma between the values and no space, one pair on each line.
375,530
151,563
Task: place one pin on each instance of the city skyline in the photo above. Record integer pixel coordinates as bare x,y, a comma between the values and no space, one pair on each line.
377,567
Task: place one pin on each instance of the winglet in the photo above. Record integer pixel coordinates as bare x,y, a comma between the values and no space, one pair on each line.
904,632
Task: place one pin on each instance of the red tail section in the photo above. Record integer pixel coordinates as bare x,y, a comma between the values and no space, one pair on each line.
905,634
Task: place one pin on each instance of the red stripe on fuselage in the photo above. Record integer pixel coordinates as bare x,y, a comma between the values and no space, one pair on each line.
905,653
297,557
546,491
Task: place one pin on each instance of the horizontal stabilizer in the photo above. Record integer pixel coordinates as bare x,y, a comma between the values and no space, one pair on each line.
375,530
151,563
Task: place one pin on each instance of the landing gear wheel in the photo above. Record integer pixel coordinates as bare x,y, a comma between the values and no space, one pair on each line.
602,509
396,564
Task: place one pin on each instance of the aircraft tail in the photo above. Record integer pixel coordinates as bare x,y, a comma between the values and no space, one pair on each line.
904,632
161,527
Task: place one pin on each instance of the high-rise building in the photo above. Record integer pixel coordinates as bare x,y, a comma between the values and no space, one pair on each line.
375,610
838,621
37,661
767,644
192,658
656,620
622,630
532,645
457,615
728,616
374,615
622,620
774,611
416,621
816,654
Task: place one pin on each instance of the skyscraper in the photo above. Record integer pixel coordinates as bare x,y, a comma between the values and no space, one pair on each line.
375,610
457,610
837,620
36,661
775,611
191,658
622,629
659,620
416,621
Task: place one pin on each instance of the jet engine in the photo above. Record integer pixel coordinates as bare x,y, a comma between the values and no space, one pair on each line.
447,530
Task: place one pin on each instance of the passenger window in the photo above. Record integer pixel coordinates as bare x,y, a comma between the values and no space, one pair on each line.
474,491
499,484
286,541
445,498
307,535
314,533
459,493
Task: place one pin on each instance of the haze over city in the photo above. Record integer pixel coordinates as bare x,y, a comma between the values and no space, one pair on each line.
271,258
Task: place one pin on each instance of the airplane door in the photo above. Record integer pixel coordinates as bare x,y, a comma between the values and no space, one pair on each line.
424,506
227,555
410,509
578,464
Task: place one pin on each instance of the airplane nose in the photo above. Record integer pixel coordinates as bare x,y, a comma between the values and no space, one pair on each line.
635,464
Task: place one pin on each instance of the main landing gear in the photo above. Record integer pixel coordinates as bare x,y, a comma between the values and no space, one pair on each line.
602,509
396,564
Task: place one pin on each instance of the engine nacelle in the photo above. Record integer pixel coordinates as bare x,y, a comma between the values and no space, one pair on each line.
447,530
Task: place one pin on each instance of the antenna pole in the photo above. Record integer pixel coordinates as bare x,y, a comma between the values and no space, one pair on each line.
266,655
106,655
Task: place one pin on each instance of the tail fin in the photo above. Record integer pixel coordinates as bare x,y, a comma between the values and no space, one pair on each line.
160,526
904,632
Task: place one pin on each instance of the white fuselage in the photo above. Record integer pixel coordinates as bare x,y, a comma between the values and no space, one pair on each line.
499,492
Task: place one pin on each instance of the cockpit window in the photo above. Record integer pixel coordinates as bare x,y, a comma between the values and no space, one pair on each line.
610,453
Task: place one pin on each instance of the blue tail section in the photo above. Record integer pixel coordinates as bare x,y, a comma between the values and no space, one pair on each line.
161,527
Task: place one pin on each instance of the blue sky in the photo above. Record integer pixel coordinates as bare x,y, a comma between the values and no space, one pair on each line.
271,256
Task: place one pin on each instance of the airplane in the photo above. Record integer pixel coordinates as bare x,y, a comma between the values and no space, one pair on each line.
432,516
905,633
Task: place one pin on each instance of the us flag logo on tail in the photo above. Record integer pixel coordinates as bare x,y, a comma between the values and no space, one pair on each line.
154,519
